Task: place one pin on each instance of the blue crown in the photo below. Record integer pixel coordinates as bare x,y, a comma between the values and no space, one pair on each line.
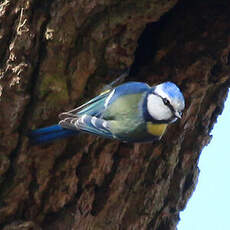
173,91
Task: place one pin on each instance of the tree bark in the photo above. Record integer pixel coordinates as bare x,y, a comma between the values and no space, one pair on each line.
57,54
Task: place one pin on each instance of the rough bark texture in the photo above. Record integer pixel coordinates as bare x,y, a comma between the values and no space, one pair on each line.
57,54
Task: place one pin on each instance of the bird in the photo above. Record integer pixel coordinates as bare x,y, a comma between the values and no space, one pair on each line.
131,112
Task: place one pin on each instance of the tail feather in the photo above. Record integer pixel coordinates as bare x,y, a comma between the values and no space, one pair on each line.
49,134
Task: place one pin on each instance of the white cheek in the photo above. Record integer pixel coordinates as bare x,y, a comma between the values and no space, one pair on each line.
157,109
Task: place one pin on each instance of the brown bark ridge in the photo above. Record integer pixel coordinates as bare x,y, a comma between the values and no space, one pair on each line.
56,54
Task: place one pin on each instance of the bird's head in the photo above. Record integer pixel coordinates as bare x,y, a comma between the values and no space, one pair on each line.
165,102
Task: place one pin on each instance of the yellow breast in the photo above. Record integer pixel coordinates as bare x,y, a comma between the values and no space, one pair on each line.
156,129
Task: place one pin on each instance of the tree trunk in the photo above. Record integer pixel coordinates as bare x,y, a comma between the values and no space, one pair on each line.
57,54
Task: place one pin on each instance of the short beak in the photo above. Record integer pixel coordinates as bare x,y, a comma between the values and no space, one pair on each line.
177,114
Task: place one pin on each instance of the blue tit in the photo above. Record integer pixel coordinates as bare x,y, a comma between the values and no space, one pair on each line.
130,112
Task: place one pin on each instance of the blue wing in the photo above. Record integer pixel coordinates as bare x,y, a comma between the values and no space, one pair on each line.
93,107
89,124
98,105
128,88
88,117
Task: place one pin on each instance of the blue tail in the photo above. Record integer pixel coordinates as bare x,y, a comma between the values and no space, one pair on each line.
48,134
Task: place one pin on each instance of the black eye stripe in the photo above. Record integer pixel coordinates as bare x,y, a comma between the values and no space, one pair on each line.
166,102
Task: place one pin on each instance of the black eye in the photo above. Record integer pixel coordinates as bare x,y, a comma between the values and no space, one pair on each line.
166,101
